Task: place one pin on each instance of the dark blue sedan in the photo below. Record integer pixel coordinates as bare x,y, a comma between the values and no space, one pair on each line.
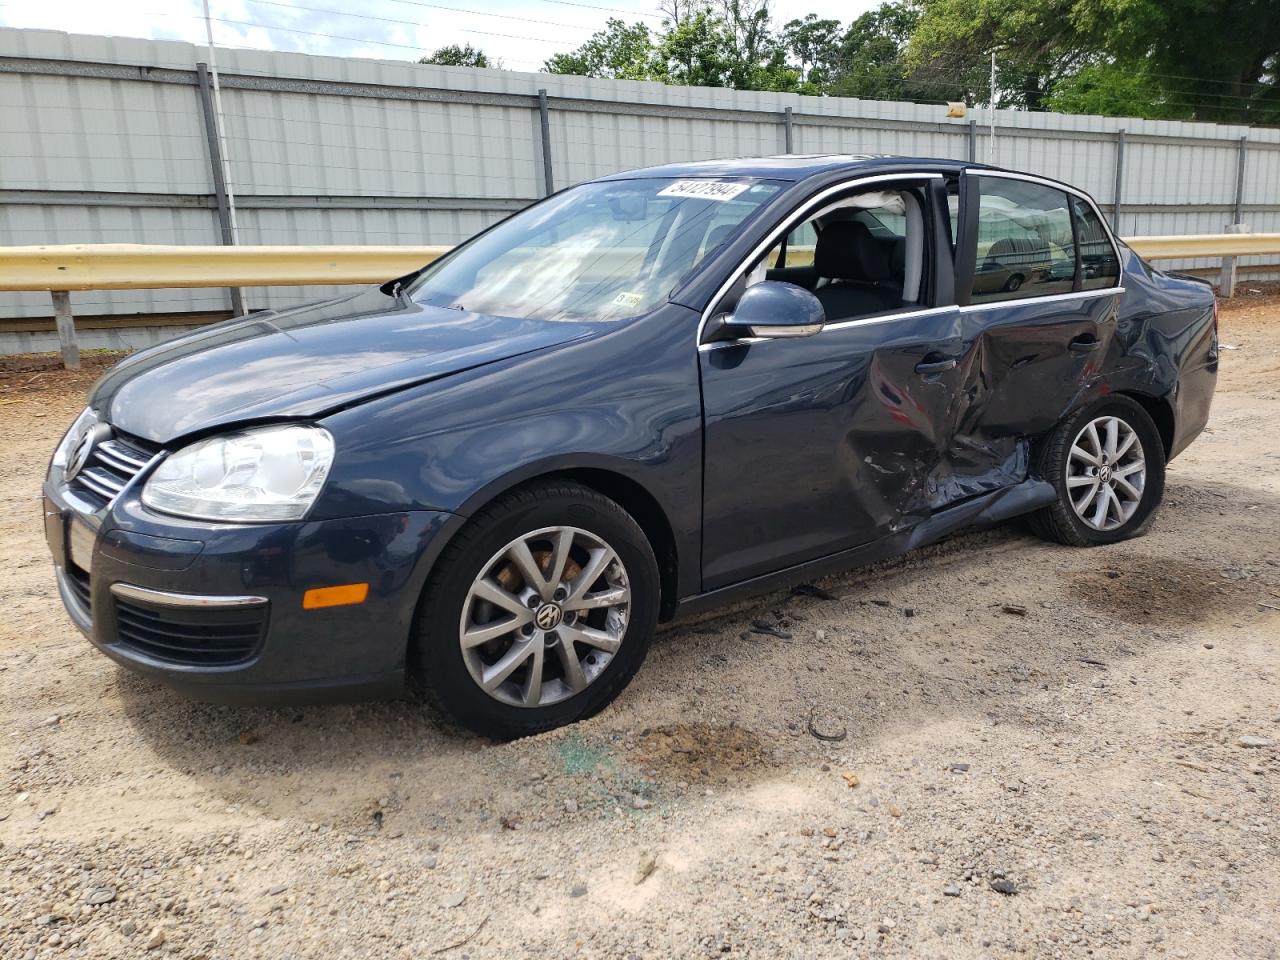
640,397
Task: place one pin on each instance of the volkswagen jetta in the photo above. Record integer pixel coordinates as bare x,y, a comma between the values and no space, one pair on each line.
637,398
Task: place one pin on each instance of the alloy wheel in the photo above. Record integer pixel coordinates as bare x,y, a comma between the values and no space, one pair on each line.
1106,473
545,616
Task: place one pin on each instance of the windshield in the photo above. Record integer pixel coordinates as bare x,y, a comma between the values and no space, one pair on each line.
600,251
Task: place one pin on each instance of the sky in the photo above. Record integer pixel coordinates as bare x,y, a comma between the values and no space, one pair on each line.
522,33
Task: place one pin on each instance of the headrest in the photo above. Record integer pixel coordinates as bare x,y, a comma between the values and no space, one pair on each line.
847,250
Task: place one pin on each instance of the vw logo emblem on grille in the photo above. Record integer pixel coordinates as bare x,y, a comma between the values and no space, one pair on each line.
548,616
83,449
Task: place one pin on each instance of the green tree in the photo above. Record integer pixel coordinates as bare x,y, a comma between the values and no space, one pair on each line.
870,61
1213,60
620,51
1165,59
1037,43
815,46
462,56
1112,90
752,50
696,52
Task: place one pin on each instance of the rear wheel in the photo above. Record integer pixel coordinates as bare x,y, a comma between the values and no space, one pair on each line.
1106,463
539,613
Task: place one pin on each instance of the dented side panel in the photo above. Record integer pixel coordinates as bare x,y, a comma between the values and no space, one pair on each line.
817,445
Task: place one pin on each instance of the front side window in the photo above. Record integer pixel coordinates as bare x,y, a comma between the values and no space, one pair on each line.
600,251
1099,266
861,255
1026,246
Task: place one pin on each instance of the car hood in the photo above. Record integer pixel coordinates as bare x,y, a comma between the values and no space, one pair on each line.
307,362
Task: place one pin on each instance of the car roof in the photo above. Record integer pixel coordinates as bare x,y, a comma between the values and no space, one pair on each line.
792,166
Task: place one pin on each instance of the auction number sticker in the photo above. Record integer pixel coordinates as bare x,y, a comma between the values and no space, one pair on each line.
704,189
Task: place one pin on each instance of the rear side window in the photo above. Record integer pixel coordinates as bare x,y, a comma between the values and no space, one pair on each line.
1026,247
1098,264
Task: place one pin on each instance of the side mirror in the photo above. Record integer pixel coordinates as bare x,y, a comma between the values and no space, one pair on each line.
775,309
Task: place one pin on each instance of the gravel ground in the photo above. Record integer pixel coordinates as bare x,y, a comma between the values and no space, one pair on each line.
993,747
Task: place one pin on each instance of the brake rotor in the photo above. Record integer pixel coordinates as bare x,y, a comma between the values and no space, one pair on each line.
512,581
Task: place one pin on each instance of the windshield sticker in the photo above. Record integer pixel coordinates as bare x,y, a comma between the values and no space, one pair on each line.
628,299
704,189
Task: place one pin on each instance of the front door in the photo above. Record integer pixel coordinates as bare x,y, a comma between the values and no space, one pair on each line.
819,444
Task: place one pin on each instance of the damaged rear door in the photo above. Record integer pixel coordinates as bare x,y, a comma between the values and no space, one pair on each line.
1037,321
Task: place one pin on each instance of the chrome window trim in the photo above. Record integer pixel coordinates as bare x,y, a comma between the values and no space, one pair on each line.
806,210
786,226
1065,188
1047,298
838,325
164,598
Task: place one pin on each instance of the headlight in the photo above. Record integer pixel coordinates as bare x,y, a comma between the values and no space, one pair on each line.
261,474
84,422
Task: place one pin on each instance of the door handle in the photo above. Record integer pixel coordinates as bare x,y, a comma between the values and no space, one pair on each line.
1085,344
936,366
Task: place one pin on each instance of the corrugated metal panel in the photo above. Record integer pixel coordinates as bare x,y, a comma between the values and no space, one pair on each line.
286,143
65,133
333,164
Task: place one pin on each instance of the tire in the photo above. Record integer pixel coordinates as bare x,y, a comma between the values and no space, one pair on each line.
551,520
1013,283
1124,516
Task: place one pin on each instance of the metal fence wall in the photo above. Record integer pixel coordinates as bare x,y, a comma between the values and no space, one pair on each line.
104,140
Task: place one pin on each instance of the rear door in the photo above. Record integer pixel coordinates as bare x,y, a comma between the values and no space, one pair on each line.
1039,305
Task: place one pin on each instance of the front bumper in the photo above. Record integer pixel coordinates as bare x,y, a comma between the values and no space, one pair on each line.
215,610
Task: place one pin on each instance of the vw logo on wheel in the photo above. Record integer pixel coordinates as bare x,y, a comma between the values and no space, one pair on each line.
84,449
548,616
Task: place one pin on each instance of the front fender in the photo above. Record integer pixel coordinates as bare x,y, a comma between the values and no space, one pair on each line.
625,401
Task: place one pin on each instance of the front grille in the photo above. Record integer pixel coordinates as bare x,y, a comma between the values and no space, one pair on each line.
112,464
198,637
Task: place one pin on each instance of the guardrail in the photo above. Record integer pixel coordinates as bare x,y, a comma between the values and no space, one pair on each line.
135,266
61,269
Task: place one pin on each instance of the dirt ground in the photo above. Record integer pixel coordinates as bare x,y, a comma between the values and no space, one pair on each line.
991,748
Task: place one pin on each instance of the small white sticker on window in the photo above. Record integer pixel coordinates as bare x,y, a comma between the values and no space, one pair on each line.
704,189
626,299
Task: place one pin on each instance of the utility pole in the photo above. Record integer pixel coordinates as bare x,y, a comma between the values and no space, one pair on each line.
222,141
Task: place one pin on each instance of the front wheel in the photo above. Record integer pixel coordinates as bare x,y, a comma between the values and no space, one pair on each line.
539,613
1106,463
